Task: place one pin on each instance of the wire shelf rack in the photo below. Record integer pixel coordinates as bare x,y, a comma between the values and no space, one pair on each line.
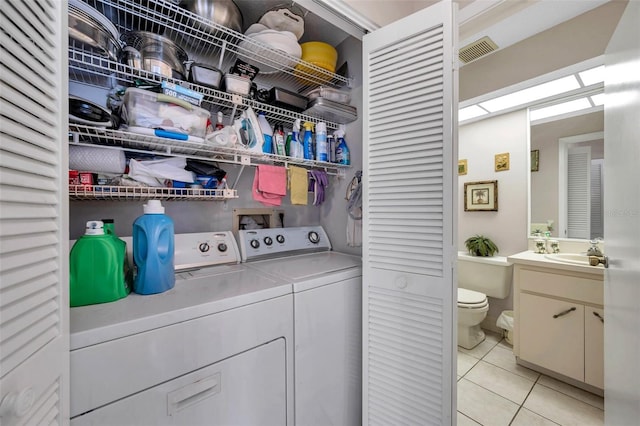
124,193
91,69
209,42
88,135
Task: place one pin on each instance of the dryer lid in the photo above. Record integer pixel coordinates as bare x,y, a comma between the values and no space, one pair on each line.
470,296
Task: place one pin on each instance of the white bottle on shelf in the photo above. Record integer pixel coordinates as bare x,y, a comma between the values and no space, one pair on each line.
322,149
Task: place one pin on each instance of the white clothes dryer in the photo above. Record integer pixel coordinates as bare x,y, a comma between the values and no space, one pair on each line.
214,350
327,294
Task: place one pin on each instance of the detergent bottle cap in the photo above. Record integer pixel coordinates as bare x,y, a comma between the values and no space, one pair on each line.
153,207
94,227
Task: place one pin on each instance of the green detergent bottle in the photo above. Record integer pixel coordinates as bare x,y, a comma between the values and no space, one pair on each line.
98,270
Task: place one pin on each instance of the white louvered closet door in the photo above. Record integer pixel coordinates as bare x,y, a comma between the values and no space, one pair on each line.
34,348
578,192
410,100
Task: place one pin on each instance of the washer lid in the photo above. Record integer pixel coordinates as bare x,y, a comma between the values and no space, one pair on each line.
470,297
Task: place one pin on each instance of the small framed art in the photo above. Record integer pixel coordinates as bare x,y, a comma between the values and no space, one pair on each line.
462,167
535,160
502,162
481,196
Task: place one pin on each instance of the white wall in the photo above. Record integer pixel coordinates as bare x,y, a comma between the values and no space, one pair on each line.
478,143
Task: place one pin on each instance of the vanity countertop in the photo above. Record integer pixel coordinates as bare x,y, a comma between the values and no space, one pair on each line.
535,259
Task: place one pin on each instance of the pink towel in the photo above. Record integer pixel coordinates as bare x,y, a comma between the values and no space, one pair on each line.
270,184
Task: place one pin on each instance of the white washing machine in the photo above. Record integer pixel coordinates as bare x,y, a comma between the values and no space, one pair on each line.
214,350
327,294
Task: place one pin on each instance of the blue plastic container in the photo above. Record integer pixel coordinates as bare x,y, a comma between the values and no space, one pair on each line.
153,250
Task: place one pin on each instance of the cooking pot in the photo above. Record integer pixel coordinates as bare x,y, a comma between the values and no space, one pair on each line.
91,31
154,53
222,12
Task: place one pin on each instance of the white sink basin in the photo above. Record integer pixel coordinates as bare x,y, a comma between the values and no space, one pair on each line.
573,258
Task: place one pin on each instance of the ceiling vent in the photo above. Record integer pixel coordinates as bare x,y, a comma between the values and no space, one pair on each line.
477,49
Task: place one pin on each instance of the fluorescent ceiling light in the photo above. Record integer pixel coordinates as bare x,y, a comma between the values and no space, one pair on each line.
470,112
598,99
558,109
531,94
592,76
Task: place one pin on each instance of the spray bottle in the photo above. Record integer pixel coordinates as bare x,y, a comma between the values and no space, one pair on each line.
295,148
342,151
307,140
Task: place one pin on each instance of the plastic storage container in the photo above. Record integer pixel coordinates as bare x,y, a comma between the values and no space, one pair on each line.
98,267
150,110
153,250
334,95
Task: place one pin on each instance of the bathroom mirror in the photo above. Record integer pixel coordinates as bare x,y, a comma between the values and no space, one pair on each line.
566,190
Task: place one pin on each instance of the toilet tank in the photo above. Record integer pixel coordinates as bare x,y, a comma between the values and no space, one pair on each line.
489,275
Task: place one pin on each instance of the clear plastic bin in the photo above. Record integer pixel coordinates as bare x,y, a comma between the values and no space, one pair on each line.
334,95
142,108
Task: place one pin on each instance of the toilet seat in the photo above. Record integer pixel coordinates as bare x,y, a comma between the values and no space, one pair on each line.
470,299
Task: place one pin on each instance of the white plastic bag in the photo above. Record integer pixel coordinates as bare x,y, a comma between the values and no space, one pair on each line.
154,172
506,322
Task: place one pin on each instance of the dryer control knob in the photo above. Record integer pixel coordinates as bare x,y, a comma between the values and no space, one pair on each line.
255,244
280,238
222,247
314,237
204,247
268,241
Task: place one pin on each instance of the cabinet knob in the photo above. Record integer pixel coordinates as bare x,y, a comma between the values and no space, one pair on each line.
17,404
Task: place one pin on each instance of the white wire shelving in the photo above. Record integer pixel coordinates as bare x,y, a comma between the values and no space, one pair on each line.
131,193
88,135
205,41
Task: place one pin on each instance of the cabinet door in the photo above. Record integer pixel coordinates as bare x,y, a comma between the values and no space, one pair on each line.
34,304
552,334
246,389
594,346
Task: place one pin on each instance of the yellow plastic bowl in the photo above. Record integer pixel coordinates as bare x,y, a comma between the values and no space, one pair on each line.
321,54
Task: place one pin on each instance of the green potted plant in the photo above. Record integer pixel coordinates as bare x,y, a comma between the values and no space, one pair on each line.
480,245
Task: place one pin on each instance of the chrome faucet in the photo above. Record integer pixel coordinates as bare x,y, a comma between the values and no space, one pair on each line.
594,250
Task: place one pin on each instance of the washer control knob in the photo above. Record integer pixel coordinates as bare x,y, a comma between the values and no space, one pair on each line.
314,237
280,238
255,244
222,247
268,241
204,247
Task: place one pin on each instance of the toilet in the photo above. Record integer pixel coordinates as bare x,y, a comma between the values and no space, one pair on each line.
479,277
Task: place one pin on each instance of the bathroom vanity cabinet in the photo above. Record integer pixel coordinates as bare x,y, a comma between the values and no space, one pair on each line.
559,319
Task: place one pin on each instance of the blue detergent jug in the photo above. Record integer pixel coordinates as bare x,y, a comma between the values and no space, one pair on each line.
153,250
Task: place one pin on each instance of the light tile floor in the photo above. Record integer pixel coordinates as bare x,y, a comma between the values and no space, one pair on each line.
493,391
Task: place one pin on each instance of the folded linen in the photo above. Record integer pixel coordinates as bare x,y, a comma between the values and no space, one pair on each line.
269,184
298,184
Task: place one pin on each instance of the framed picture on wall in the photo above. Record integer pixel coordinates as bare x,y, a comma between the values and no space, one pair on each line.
462,167
481,196
535,160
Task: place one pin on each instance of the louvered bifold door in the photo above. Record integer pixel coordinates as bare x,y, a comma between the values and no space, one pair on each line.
578,192
34,355
408,320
